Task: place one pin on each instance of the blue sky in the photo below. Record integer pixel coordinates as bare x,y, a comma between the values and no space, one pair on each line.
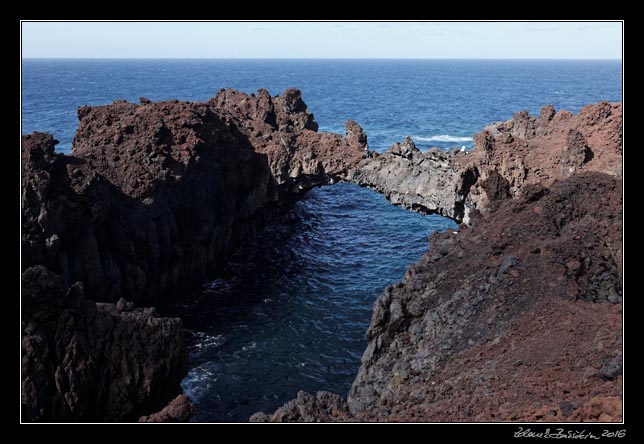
581,40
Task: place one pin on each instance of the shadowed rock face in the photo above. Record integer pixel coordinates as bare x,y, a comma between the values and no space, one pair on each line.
87,361
152,201
156,196
517,315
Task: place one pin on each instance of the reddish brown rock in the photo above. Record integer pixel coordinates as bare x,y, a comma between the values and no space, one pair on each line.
180,409
517,315
516,319
157,195
509,157
323,407
152,201
529,151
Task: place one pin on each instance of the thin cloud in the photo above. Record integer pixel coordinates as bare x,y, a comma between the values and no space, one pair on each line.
541,28
594,26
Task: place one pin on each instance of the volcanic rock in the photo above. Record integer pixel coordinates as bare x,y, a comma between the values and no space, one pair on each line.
180,409
517,315
83,361
324,407
508,157
156,196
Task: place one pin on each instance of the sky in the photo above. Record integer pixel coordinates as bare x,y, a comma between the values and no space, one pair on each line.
577,40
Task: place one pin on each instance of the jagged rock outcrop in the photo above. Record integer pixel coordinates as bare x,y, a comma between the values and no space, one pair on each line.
501,321
524,151
152,201
517,315
180,409
157,195
323,407
87,361
508,157
427,182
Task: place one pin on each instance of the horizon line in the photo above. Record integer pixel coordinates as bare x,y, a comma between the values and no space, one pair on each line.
325,58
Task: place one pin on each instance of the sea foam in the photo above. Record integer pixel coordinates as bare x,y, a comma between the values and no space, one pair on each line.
443,138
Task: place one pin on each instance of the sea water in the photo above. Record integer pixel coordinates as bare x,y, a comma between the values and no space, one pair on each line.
291,309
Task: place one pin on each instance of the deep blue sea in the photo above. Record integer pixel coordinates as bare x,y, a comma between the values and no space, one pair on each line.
291,310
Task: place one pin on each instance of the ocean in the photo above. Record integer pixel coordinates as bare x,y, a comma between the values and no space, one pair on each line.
291,309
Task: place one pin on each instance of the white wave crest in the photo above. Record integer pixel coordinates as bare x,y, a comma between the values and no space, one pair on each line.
443,138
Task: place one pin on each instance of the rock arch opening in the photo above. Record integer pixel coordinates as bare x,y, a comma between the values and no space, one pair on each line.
290,310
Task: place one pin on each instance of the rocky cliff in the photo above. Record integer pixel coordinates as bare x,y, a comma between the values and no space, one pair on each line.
152,201
155,196
508,157
517,315
518,318
88,361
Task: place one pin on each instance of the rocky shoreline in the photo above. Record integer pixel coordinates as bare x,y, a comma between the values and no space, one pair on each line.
517,315
156,196
152,201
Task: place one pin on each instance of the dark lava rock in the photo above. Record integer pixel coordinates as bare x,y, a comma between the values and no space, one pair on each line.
180,409
448,333
323,407
507,319
156,196
508,262
611,369
83,361
152,201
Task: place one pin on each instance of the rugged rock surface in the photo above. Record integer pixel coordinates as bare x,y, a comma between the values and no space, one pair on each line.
508,156
324,407
517,316
152,201
157,195
526,151
433,181
180,409
516,319
87,361
510,320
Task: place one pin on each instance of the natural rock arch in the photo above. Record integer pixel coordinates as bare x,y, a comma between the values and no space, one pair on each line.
155,196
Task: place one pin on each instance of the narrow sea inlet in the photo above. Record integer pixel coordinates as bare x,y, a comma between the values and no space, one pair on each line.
292,310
